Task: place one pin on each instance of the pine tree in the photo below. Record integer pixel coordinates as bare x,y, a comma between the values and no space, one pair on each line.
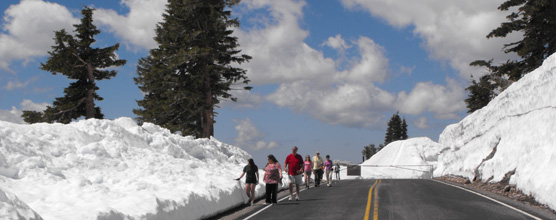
192,68
536,20
403,135
369,151
75,58
480,93
394,129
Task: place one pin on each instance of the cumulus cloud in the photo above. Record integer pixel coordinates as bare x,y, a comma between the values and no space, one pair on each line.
29,105
14,115
29,29
422,123
443,101
311,83
453,31
250,136
337,43
352,105
137,28
279,53
16,84
245,100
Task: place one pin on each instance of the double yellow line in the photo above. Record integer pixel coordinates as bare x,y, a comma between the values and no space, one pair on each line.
375,208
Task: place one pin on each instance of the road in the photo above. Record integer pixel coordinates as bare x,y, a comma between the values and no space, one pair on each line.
390,199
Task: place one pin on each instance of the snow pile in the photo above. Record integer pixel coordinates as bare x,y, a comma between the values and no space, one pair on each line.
103,169
514,133
13,208
412,158
514,136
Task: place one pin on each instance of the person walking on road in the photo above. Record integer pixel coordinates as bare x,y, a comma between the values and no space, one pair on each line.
337,170
317,168
251,179
308,167
272,176
294,166
328,168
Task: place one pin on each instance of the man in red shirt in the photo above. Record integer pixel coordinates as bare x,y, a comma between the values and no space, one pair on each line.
295,163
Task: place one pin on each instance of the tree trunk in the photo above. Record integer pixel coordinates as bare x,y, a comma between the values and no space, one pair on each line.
90,103
207,115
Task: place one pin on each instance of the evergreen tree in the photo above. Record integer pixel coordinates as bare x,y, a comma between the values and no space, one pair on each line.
403,135
75,58
192,68
488,87
369,151
536,20
396,130
480,94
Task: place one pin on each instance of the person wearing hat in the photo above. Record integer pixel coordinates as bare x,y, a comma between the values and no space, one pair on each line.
317,168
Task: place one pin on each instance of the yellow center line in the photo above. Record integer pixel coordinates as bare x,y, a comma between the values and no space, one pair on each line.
369,201
375,216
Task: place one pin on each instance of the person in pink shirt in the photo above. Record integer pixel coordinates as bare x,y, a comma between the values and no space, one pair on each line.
272,176
294,166
308,167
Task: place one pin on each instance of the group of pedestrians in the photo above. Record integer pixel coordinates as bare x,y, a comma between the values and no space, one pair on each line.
295,167
319,168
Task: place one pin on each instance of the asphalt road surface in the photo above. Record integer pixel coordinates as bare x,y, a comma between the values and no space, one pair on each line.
392,199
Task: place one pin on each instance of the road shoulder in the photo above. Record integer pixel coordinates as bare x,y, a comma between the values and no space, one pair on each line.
526,205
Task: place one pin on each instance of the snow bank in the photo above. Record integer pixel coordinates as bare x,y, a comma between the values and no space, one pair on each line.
103,169
515,132
514,135
13,208
412,158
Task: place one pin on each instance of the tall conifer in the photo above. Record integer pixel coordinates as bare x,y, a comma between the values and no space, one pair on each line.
75,58
192,68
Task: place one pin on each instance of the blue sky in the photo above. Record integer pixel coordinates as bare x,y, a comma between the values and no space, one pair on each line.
327,75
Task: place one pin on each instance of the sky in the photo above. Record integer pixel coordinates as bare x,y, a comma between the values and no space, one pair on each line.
327,75
116,169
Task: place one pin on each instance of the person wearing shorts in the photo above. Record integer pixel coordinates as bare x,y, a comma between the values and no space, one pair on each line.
294,166
308,167
251,179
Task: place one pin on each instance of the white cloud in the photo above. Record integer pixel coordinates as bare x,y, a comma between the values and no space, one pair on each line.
422,123
245,100
308,81
29,105
29,28
443,101
19,85
13,116
451,30
279,53
353,105
250,136
337,43
137,28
